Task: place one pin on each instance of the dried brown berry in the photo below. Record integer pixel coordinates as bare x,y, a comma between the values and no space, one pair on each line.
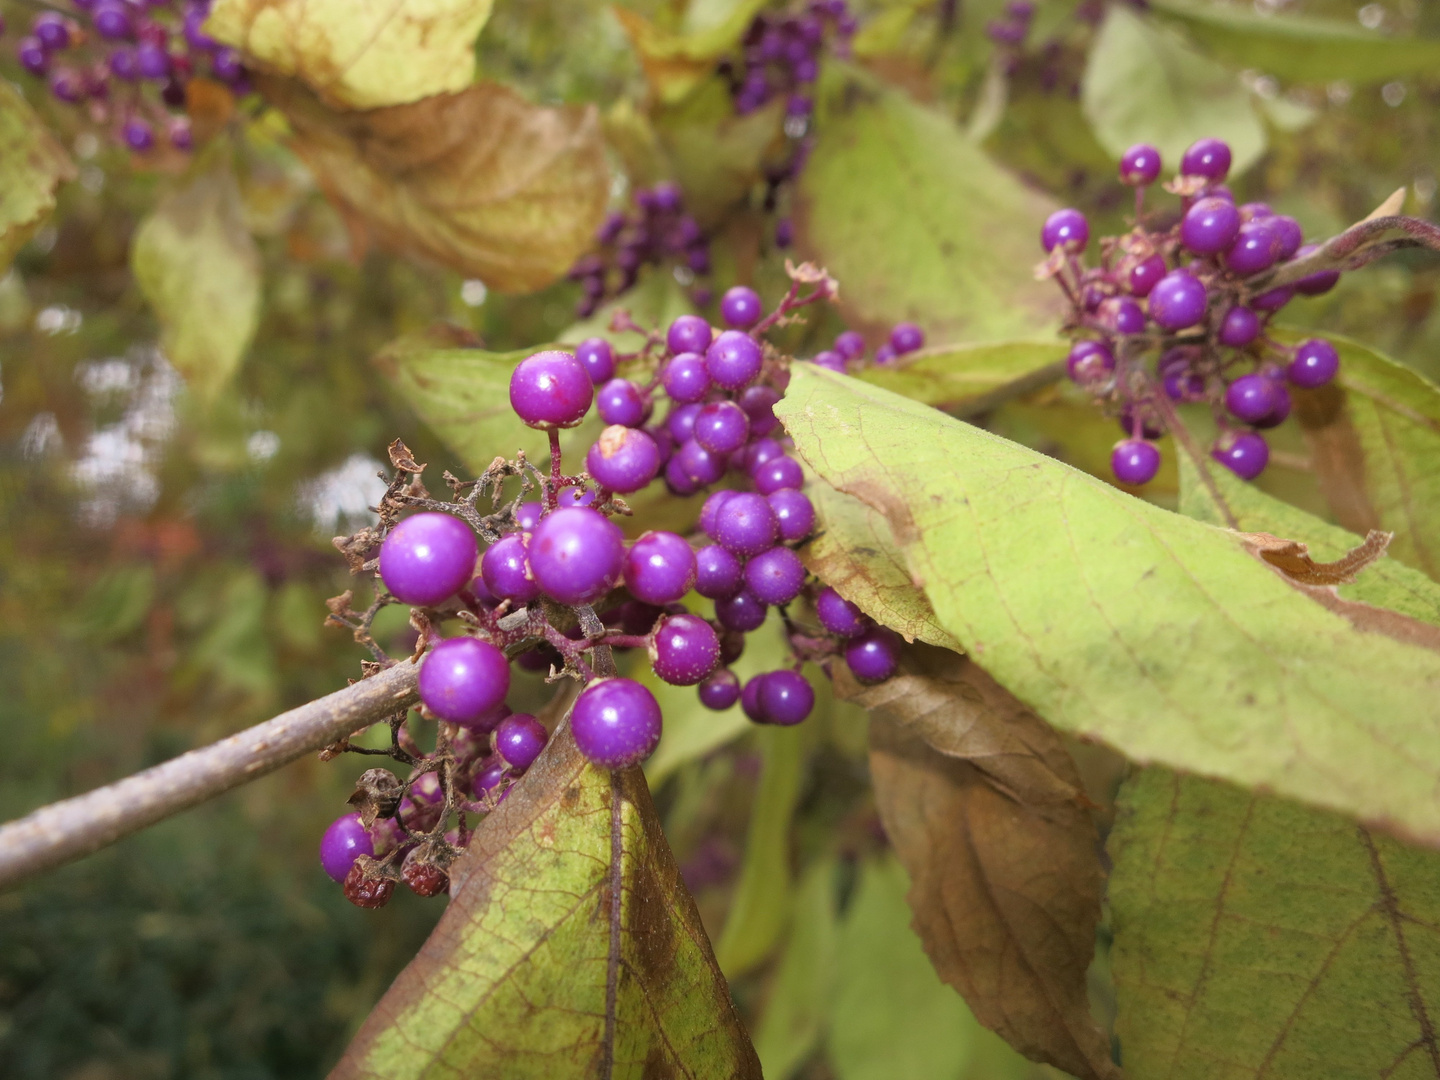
424,879
367,892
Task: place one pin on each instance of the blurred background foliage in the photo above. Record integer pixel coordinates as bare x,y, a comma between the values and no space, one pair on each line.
165,559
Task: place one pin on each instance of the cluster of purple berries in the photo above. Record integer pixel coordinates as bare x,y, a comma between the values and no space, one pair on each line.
658,232
1177,311
129,62
849,348
781,60
563,553
1013,26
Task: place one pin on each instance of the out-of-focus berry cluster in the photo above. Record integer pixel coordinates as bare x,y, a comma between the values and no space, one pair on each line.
127,63
658,232
1178,311
1013,25
549,583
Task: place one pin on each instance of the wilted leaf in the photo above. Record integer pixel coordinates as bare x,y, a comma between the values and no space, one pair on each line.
480,181
357,54
1145,83
1299,48
1374,437
675,63
917,222
891,1017
32,164
793,1022
1122,622
200,270
1387,583
987,813
854,551
1258,938
513,981
968,379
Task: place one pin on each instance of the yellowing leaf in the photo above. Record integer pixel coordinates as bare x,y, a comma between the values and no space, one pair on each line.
1122,622
917,222
676,63
357,54
540,968
32,164
1257,938
480,181
200,270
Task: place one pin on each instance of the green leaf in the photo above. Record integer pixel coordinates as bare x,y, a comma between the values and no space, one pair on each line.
32,164
793,1022
1255,937
1144,83
117,603
917,222
1374,438
516,979
892,1016
1300,48
676,63
1388,583
357,54
1125,623
200,270
967,377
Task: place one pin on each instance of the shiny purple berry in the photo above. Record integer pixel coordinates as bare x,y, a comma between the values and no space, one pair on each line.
743,612
885,354
1140,165
1240,327
505,571
759,405
850,345
527,515
1287,231
623,459
775,576
52,29
576,555
1210,226
137,134
794,514
839,615
778,473
718,573
745,524
680,422
519,740
700,465
659,568
428,558
616,722
343,843
152,61
1273,300
740,307
551,390
1280,413
906,338
1250,398
688,333
619,402
1144,276
1123,315
685,378
463,678
1135,461
1089,361
1315,364
677,480
1178,301
684,650
33,56
598,358
123,65
1256,248
720,691
1066,229
786,697
1245,454
733,359
1207,158
111,20
873,656
830,361
722,427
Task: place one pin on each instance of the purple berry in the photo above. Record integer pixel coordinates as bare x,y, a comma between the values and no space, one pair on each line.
519,740
576,555
528,514
1315,364
623,459
1210,226
659,568
1066,229
740,307
684,650
1140,165
720,691
718,573
1144,276
505,571
619,402
1178,301
1245,454
1240,327
1089,361
794,514
688,333
1280,413
1250,398
67,86
722,427
906,338
775,576
780,472
52,30
733,359
700,465
760,452
152,61
830,361
710,510
1123,315
111,20
745,525
850,345
786,697
750,699
428,558
616,722
1273,299
598,358
1289,234
488,778
463,678
685,378
759,405
179,132
195,35
874,656
551,390
33,56
1256,248
138,134
839,615
1135,461
680,422
1207,158
677,481
1318,283
343,843
225,63
743,612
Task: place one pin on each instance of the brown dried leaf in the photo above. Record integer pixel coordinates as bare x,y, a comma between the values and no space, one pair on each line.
377,794
1293,559
481,181
987,813
403,459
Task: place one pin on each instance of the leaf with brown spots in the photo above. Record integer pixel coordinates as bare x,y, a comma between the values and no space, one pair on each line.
987,814
1292,558
481,181
570,950
1258,938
